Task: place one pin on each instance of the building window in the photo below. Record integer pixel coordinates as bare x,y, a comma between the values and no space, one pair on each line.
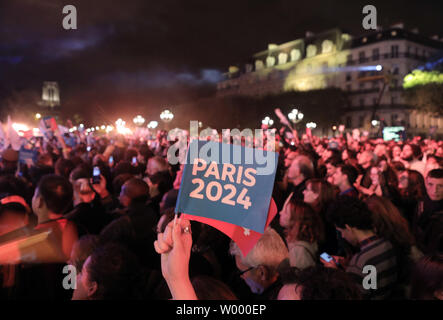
348,87
361,57
324,66
348,77
348,122
282,58
393,100
395,83
362,103
361,121
361,85
258,65
295,54
349,59
270,61
311,51
394,51
374,84
327,46
395,69
374,101
375,54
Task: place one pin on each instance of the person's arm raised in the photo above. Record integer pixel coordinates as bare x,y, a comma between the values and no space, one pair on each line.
174,245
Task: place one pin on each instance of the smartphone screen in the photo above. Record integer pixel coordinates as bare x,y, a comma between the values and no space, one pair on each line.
88,148
111,159
326,257
96,175
134,160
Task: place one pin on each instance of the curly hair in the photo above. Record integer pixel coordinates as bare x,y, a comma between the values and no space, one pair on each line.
305,224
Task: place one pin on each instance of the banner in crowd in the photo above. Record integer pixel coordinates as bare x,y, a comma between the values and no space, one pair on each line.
28,155
220,182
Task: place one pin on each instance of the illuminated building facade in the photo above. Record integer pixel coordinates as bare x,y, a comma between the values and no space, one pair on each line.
357,65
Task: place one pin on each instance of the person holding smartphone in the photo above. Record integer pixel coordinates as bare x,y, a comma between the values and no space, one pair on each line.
354,220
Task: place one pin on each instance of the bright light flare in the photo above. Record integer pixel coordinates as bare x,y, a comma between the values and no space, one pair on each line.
20,128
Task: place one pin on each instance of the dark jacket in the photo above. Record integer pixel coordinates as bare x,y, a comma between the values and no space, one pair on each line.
89,218
428,226
135,230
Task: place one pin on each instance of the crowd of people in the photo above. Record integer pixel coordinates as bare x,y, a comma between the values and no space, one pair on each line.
363,202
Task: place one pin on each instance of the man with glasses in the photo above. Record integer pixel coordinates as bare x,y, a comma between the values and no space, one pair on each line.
259,268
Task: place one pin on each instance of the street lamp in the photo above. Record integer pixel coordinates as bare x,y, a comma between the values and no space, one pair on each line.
152,124
311,125
139,120
120,122
267,121
38,116
295,116
166,116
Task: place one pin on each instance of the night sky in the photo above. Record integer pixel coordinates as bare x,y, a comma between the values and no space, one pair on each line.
138,56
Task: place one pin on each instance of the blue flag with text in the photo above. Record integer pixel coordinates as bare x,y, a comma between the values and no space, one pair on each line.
228,183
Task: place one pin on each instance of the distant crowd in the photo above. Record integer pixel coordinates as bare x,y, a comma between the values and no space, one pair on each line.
105,205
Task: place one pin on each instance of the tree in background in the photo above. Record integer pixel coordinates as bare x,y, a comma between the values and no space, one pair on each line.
424,91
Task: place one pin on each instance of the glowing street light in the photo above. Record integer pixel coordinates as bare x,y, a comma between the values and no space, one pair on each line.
120,122
311,125
152,124
375,123
138,120
38,116
267,121
295,116
166,116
